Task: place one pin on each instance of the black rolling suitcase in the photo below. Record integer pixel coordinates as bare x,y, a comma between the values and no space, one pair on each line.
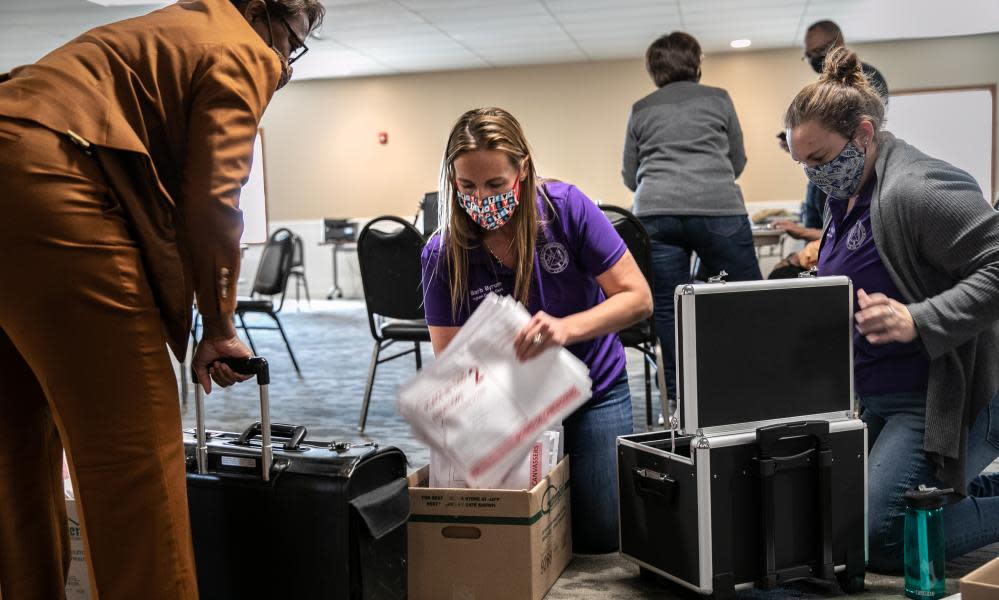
763,479
304,519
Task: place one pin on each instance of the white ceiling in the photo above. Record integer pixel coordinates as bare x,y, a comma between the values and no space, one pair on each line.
373,37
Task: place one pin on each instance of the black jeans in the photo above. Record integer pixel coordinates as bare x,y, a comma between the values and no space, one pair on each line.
722,243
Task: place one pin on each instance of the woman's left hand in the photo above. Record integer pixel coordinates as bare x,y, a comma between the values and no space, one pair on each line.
882,320
541,333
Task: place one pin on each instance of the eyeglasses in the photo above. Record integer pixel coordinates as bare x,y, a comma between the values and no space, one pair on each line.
299,48
298,45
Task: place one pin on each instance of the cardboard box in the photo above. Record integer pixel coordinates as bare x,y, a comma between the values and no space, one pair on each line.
982,583
488,544
78,582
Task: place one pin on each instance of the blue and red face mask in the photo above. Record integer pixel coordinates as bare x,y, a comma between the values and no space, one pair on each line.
490,213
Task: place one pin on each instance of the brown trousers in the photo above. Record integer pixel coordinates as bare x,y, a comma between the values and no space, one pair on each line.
83,367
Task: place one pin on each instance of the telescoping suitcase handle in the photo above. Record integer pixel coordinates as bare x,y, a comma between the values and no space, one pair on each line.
244,366
819,456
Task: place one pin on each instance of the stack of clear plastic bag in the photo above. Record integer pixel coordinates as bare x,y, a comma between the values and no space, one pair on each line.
478,407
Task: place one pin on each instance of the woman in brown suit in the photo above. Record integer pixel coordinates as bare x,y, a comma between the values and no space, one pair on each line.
122,155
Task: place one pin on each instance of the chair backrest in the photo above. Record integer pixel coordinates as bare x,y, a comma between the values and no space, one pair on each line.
429,207
635,236
298,251
388,250
275,263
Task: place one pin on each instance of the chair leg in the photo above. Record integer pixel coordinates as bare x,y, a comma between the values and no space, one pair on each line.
286,344
367,389
298,298
648,392
419,357
308,298
246,330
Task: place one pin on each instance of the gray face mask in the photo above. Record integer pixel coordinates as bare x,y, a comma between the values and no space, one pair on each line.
840,177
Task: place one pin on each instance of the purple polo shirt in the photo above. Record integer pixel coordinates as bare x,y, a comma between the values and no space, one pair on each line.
576,245
849,248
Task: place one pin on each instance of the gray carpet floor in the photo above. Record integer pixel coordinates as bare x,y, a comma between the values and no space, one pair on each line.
332,343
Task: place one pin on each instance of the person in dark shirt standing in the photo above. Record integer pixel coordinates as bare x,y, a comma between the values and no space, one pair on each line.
821,38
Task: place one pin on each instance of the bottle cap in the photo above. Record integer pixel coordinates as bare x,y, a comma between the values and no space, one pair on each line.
928,498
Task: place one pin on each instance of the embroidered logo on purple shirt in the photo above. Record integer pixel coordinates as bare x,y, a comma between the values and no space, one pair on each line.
554,257
856,237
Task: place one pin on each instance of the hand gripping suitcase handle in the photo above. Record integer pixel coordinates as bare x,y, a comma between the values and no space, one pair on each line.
254,365
247,366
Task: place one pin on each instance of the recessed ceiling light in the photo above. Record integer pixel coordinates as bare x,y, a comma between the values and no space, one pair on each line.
740,43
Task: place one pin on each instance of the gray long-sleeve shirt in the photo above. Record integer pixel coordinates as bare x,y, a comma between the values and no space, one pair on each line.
939,238
683,152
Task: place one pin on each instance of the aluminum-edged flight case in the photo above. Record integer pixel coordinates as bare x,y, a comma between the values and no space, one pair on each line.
762,478
299,519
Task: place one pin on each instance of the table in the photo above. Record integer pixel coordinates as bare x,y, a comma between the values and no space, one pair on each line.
335,291
769,239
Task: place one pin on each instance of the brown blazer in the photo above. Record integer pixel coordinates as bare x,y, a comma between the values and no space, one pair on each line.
169,104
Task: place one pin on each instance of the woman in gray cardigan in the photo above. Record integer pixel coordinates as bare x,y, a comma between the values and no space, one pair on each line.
921,244
682,154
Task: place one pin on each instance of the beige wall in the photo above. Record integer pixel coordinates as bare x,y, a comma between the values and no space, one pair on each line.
324,159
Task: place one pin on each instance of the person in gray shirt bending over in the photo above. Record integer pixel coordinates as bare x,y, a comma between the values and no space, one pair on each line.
682,154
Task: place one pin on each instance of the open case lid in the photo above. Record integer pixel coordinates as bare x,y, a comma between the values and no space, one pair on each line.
760,352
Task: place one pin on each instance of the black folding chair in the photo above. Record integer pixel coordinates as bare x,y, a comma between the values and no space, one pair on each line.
393,292
642,335
271,279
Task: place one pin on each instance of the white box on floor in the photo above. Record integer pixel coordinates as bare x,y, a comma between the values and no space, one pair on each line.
470,544
77,583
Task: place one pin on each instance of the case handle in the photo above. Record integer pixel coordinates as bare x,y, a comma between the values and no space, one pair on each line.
295,435
770,437
653,483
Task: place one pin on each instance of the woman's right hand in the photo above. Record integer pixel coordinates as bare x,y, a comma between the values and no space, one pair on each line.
211,349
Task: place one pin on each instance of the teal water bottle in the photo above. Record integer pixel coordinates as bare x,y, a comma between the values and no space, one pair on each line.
924,543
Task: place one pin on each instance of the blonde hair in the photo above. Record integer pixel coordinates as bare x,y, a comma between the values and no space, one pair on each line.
841,98
487,129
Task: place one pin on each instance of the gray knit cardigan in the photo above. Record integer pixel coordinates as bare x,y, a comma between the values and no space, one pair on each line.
939,239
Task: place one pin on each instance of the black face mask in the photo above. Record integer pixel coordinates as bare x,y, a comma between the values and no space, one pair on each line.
818,61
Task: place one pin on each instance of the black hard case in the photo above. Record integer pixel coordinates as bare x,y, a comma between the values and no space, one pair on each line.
330,524
777,493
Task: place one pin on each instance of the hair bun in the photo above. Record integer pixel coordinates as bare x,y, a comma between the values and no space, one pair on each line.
842,66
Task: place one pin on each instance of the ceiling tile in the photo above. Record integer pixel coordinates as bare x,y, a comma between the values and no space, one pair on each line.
367,37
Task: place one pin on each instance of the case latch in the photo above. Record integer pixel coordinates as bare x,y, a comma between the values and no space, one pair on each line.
719,278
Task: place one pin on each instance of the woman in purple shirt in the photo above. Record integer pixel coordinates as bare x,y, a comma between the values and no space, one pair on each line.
921,244
548,246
